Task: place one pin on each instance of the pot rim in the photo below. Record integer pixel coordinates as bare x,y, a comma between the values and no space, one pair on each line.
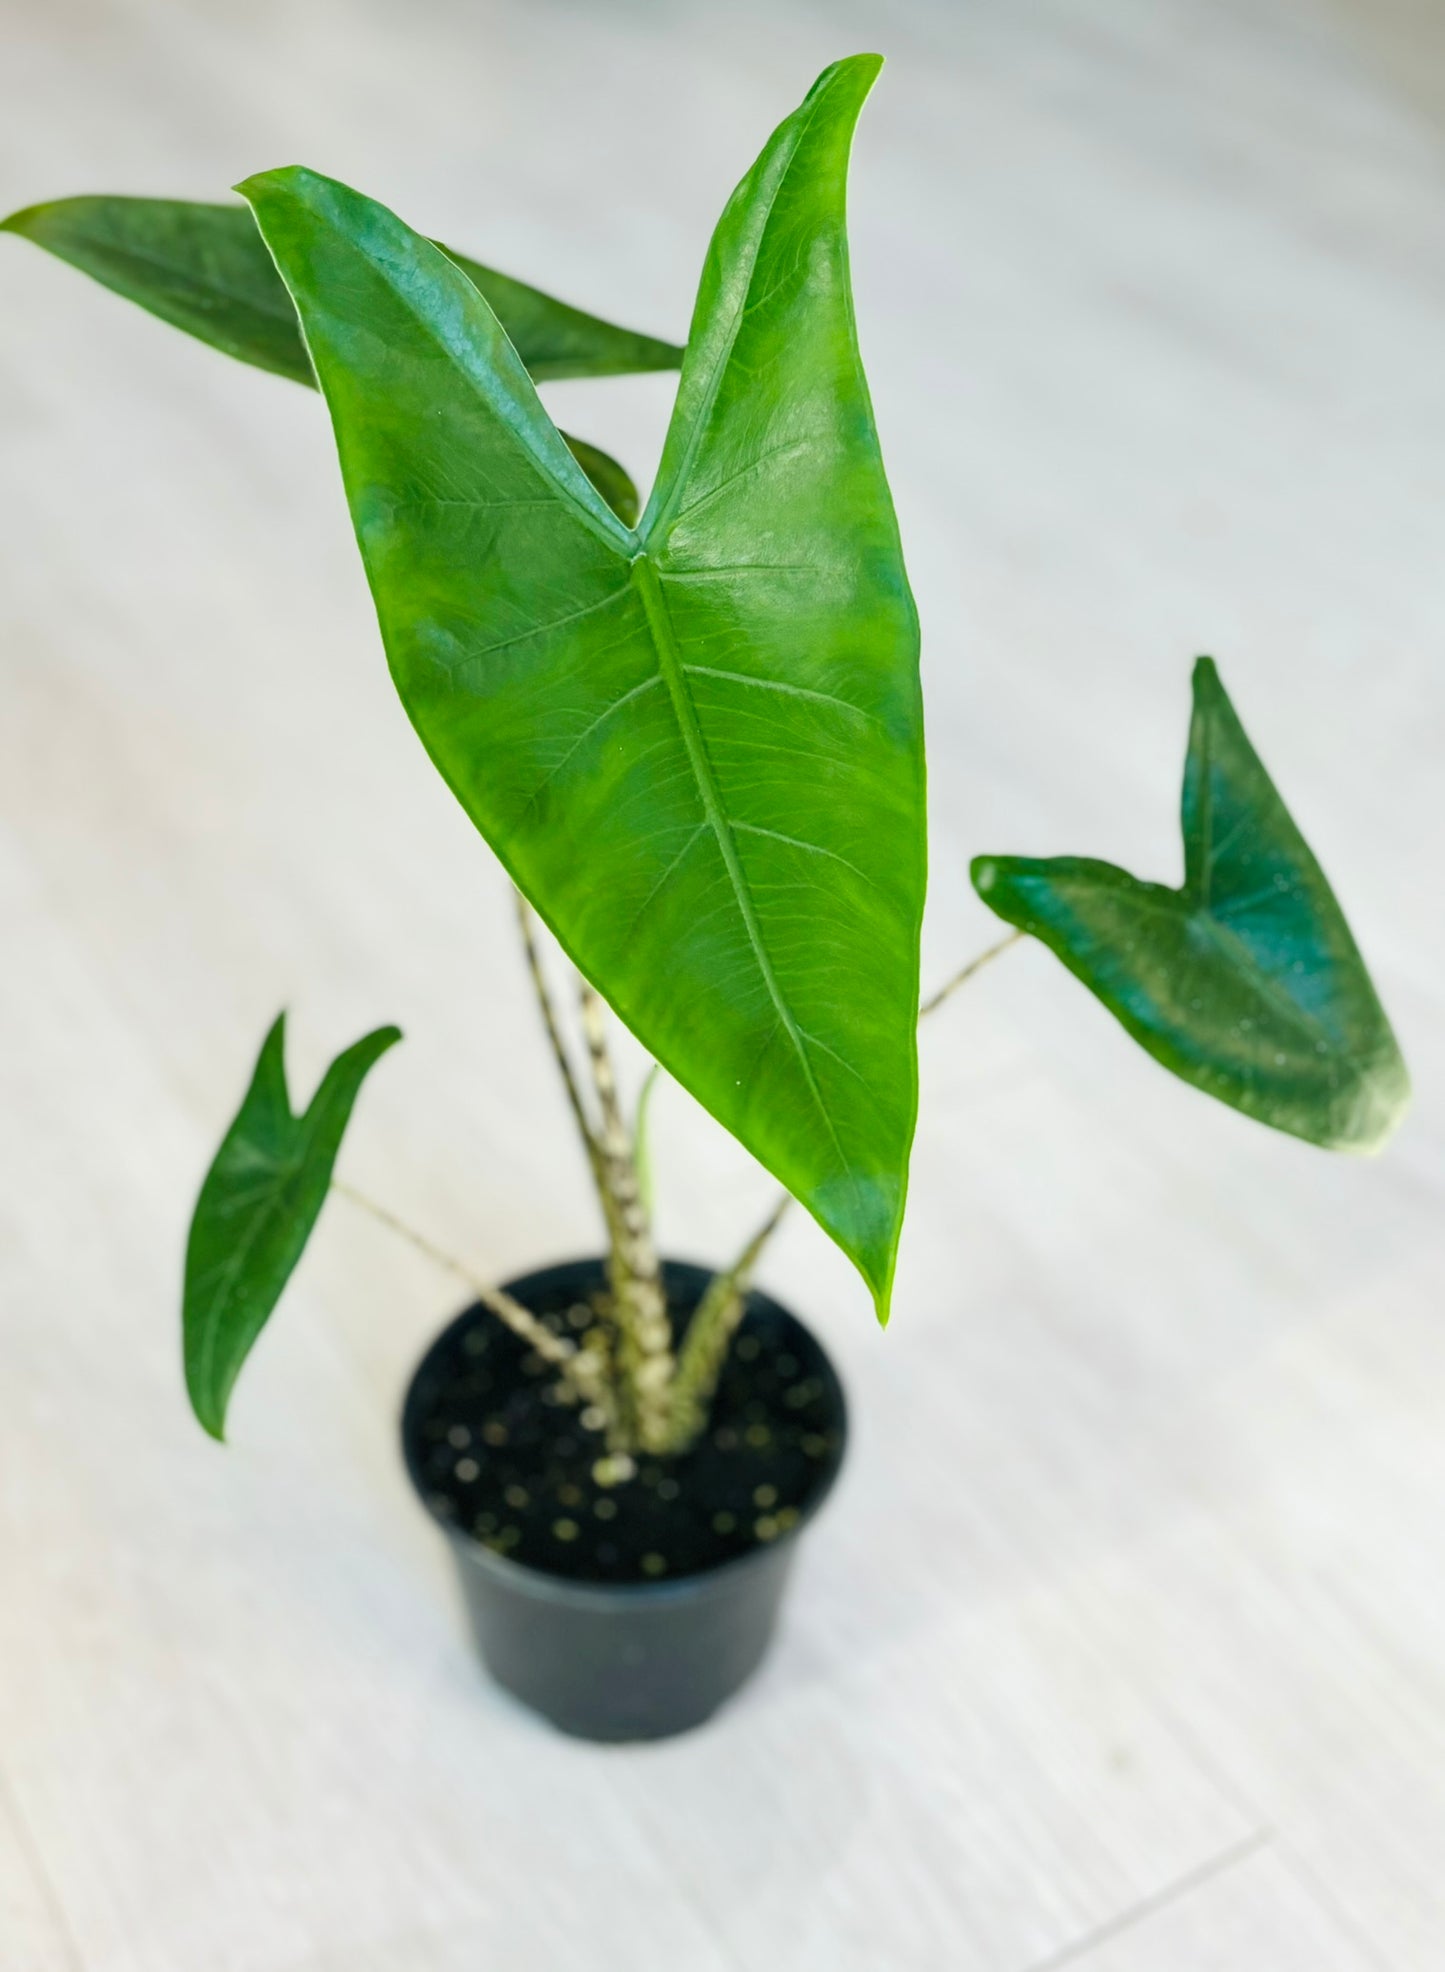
619,1597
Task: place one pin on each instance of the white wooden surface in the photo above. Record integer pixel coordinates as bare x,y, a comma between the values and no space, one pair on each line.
1124,1644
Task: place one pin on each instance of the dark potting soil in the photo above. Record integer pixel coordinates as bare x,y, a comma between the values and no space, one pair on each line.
502,1458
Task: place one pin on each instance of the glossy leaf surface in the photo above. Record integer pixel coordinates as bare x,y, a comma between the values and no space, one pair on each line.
205,269
1245,982
256,1209
697,747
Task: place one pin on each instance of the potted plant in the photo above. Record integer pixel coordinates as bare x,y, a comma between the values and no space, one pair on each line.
693,736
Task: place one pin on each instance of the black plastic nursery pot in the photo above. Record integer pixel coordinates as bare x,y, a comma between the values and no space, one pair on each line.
633,1607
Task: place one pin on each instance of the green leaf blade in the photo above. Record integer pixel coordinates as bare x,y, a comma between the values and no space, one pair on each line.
205,269
556,340
1246,982
698,747
202,268
256,1208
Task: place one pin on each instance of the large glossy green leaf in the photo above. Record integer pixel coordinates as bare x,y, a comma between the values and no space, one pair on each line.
1245,982
256,1209
697,747
205,269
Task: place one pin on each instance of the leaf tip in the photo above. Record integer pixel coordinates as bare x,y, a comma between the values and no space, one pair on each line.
380,1041
1383,1103
983,873
879,1275
285,178
860,72
1206,678
210,1415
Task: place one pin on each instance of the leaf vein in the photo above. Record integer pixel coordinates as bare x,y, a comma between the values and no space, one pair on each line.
670,665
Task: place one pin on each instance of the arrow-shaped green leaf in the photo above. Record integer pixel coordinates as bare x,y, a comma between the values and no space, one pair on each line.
697,747
1245,982
256,1209
205,269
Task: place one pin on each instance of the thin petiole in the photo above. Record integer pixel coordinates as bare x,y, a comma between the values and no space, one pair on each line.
554,1032
974,965
582,1382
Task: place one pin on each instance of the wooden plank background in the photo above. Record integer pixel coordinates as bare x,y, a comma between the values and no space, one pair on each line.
1123,1646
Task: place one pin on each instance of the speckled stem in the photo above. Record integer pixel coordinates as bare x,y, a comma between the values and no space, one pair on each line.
644,1359
621,1425
554,1032
709,1337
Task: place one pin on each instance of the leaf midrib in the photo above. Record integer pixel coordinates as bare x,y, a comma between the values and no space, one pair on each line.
220,1298
1188,907
669,662
287,1171
1235,952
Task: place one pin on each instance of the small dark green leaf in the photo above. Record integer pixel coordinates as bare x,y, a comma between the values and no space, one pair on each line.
1245,982
256,1209
696,746
205,269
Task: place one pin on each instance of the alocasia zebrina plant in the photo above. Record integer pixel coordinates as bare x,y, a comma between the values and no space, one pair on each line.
694,739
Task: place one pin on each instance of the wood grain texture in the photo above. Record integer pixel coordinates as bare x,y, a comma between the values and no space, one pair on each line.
1122,1645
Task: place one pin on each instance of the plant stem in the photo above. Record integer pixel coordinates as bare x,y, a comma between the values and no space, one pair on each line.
639,1372
582,1373
974,965
709,1336
554,1031
639,1304
650,1398
653,1400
